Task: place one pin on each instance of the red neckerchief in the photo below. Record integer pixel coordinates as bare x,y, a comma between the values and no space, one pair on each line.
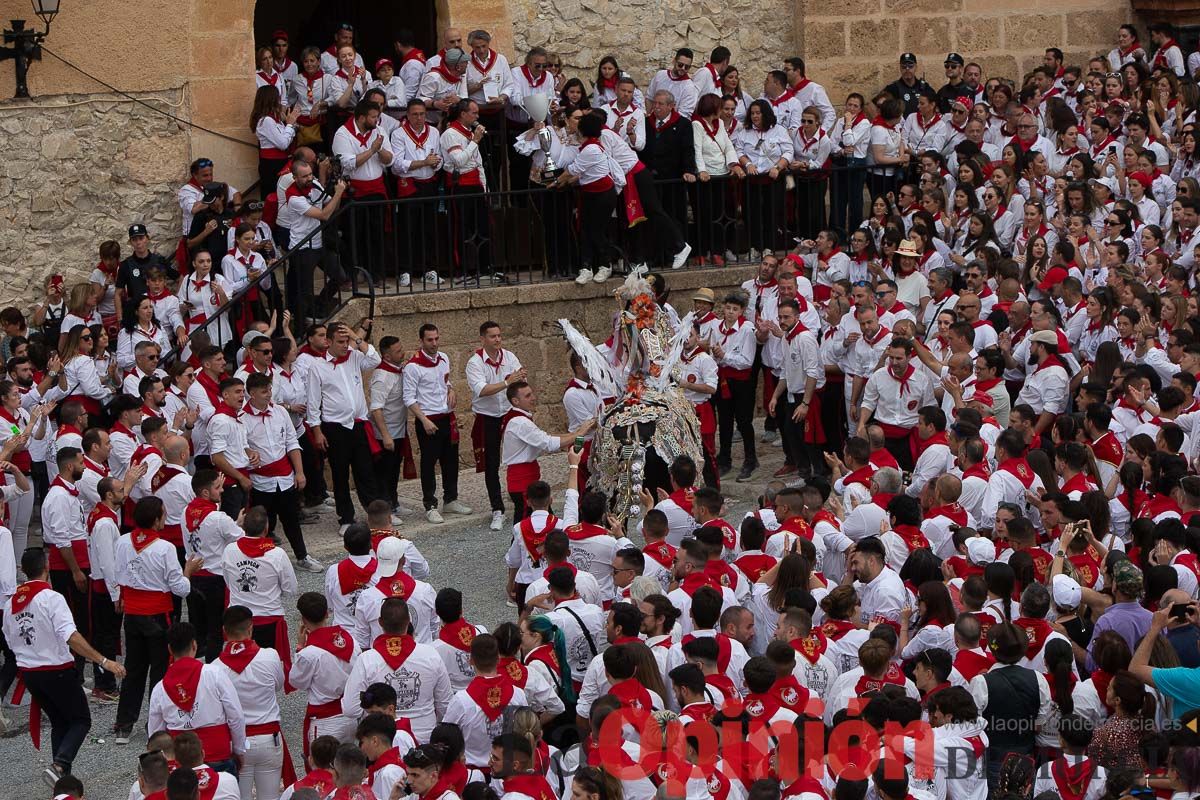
180,682
795,331
868,684
925,127
491,693
99,512
533,784
684,498
418,139
482,67
808,143
458,634
952,511
535,539
661,552
71,490
361,138
1072,781
413,54
698,580
333,639
903,379
422,360
514,670
879,334
529,78
1050,361
545,654
499,362
25,594
1160,60
813,646
1156,505
585,530
141,538
1037,631
671,119
632,694
389,758
238,655
271,79
399,585
716,79
1077,483
861,476
937,438
1018,468
712,134
352,577
912,536
255,546
394,650
443,69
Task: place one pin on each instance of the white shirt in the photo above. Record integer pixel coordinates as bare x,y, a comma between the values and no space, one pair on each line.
216,703
457,660
428,386
63,521
236,269
38,634
882,598
258,583
697,369
227,436
477,730
154,569
386,395
1046,389
216,531
682,89
738,344
524,442
483,369
320,673
524,85
764,149
461,154
342,605
335,388
496,77
421,683
128,340
579,653
618,122
189,194
337,81
370,602
102,552
408,146
894,403
347,146
434,86
934,461
270,433
257,685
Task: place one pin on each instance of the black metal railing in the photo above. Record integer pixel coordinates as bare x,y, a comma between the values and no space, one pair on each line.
462,237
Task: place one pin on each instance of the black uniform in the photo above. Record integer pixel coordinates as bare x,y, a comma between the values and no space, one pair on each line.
131,274
908,94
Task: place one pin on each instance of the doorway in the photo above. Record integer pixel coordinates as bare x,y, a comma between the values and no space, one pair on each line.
312,22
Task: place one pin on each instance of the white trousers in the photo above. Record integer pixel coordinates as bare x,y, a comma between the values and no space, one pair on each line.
261,766
20,509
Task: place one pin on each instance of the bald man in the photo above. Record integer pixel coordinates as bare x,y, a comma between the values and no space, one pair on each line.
970,310
943,513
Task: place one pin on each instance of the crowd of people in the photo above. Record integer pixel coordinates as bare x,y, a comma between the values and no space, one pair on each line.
981,545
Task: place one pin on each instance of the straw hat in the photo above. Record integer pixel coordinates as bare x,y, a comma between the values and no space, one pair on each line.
908,248
705,295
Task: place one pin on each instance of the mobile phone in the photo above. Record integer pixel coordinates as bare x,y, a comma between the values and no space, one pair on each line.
1180,610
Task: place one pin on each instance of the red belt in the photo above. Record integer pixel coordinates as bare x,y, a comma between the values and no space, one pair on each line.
146,602
273,153
596,187
90,404
372,188
280,468
79,547
173,534
519,476
471,178
267,729
316,711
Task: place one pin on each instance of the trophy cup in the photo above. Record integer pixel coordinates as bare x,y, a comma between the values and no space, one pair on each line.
537,106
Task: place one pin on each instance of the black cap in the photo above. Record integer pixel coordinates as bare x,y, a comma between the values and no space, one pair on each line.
908,58
137,229
955,58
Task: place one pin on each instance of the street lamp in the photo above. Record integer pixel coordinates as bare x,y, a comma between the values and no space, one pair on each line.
26,45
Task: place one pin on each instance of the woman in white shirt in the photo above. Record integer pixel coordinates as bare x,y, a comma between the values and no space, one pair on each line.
81,310
1003,221
275,129
605,88
715,158
764,151
887,155
810,167
84,383
731,82
851,137
141,326
309,87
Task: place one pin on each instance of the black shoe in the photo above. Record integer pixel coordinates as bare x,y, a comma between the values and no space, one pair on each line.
724,469
747,473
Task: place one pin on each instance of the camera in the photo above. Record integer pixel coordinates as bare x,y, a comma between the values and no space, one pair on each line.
212,192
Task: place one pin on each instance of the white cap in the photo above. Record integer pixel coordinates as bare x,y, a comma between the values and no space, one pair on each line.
980,550
389,555
1109,183
1066,592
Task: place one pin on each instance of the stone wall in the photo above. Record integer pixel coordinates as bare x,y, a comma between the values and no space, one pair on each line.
855,45
527,315
78,170
644,34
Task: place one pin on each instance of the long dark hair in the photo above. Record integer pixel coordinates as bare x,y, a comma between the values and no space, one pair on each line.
793,573
266,104
768,115
1060,659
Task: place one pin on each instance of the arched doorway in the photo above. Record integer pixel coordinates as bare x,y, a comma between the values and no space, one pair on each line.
311,22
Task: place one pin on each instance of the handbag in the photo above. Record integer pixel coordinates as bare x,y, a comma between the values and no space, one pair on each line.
308,134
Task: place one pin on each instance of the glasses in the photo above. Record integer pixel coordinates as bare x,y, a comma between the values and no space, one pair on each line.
859,284
1112,222
266,352
1026,126
152,356
85,338
188,375
537,66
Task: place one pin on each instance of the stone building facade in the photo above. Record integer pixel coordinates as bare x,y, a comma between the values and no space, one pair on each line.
81,163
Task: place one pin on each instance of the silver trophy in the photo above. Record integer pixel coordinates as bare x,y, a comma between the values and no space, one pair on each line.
537,106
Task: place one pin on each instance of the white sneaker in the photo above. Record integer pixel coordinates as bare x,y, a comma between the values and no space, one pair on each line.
730,258
310,564
602,274
122,737
497,521
584,277
396,520
755,255
400,508
404,279
455,507
681,257
342,529
329,502
432,515
433,277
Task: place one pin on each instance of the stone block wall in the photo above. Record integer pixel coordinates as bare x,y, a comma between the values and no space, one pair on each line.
77,170
644,34
526,315
855,45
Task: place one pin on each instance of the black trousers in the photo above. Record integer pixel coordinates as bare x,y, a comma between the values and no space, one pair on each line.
388,468
285,507
8,671
901,448
62,582
206,605
105,626
520,509
737,408
661,234
145,663
764,212
313,462
491,460
437,449
808,458
596,213
833,416
418,222
268,175
470,232
264,635
300,289
233,500
59,694
756,369
348,451
714,213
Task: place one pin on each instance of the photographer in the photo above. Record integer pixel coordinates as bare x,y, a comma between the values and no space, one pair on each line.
1182,631
309,207
210,226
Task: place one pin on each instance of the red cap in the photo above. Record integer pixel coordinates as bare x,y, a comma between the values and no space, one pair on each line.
1142,178
966,102
383,61
279,34
983,398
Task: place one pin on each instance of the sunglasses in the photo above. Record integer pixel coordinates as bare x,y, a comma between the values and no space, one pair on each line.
266,352
85,338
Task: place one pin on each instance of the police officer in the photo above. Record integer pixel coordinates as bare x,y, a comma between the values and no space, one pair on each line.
908,87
